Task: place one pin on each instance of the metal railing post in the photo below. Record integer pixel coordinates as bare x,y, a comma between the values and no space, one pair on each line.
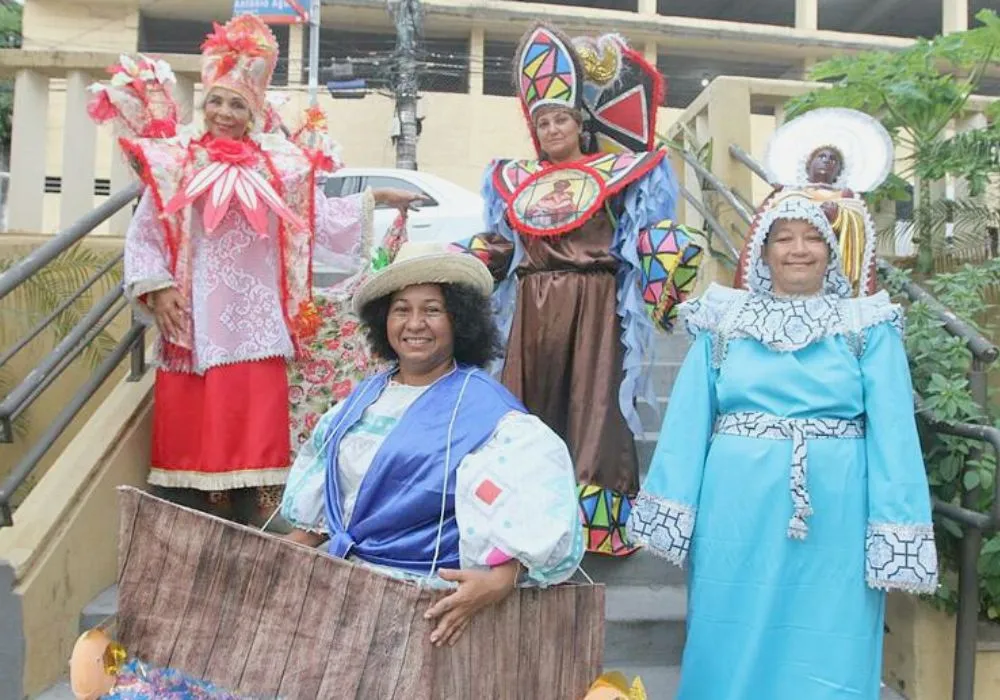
137,357
967,617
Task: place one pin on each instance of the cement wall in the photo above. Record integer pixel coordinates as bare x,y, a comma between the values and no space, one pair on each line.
62,549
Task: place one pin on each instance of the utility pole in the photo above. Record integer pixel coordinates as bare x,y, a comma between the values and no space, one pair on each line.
314,13
407,16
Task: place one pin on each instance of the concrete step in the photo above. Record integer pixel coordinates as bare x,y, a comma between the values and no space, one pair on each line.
644,625
639,569
644,448
660,682
102,607
663,373
651,413
59,691
671,346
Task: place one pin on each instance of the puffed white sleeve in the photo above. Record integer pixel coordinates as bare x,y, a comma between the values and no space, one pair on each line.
515,498
303,504
146,261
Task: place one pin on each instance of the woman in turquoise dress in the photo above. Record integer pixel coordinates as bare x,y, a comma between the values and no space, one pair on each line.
788,475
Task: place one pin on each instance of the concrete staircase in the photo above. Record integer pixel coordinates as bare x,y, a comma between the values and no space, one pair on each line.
646,596
645,602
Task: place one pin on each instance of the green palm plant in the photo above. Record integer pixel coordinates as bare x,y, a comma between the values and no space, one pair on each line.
40,295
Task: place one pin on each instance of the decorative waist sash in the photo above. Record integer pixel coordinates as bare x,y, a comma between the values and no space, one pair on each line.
798,430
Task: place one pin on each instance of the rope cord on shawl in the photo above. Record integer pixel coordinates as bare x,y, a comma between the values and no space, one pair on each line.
447,469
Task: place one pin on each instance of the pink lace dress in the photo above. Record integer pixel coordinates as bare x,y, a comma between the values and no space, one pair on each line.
224,425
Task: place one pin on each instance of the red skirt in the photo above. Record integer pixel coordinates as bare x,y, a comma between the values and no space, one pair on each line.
226,429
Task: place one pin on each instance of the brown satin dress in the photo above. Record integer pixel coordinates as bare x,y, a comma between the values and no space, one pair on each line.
564,354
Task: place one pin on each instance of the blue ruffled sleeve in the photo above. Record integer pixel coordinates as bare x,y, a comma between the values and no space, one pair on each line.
647,202
495,218
899,549
664,513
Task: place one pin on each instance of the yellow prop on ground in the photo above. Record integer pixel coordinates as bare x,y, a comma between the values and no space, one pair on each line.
614,686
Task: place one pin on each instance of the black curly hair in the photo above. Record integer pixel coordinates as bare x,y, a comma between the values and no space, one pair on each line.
476,338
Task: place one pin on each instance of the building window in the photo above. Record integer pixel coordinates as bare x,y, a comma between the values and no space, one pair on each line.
910,19
163,35
779,13
368,54
688,75
498,61
443,62
620,5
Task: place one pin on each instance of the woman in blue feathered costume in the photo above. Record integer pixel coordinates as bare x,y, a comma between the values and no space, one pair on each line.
587,258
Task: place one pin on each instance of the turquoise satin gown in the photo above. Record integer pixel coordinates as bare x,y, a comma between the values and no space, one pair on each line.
772,617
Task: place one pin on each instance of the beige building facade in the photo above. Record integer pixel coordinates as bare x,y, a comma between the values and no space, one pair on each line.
62,166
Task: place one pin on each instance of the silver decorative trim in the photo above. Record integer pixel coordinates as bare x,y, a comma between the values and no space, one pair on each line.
761,425
785,324
901,557
663,526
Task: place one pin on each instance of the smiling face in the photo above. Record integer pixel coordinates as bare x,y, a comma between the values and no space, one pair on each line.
824,166
419,330
797,255
558,132
227,115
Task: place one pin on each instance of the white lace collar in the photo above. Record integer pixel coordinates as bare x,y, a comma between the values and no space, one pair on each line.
784,324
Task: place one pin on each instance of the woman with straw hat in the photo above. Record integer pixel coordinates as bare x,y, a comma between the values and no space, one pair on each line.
432,471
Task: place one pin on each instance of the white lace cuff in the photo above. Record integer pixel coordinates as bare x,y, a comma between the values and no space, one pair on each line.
901,557
664,527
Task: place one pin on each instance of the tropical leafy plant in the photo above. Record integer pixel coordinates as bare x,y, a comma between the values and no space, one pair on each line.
917,93
940,365
40,295
10,38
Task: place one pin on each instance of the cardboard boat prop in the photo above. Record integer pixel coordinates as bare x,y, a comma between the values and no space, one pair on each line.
265,618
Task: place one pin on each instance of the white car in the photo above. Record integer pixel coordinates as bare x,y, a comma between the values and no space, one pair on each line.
450,213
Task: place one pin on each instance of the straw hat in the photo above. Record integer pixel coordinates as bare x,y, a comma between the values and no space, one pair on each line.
425,263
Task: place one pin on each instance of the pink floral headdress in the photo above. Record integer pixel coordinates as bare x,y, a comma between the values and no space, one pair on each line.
240,56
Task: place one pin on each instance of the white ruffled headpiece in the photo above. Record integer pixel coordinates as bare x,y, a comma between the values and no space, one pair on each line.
793,206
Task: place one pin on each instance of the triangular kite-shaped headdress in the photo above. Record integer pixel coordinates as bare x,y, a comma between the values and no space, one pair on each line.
616,91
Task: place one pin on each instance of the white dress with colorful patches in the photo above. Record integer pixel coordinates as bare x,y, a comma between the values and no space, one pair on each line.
532,517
